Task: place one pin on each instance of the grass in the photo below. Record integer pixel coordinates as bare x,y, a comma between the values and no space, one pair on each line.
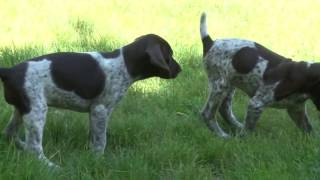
155,132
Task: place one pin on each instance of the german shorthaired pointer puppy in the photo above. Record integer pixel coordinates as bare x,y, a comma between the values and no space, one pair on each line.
91,82
269,79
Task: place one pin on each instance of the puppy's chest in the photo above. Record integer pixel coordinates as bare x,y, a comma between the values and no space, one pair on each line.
292,100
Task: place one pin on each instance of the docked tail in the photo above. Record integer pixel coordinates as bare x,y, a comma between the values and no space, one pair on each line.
205,37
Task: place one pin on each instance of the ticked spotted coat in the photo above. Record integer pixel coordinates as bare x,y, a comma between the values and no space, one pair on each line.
269,79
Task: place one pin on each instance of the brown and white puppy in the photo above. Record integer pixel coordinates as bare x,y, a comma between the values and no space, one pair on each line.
269,79
91,82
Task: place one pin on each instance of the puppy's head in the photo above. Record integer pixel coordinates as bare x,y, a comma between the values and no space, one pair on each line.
298,77
150,56
314,84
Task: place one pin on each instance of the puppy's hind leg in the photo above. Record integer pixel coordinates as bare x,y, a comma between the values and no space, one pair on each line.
12,128
216,95
34,122
226,110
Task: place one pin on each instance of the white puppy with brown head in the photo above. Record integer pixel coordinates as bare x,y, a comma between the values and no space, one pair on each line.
91,82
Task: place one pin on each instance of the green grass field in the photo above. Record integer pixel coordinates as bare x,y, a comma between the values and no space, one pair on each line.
156,131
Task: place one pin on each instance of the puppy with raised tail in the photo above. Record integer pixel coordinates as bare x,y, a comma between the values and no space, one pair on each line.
269,79
91,82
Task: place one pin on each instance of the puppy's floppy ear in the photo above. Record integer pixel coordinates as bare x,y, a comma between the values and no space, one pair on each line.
157,58
292,81
286,88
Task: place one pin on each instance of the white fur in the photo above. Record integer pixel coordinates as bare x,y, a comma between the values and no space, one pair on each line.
203,26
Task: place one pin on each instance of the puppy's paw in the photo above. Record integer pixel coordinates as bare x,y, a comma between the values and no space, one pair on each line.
20,143
239,125
225,136
243,133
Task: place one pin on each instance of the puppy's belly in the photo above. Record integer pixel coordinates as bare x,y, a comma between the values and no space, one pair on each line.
250,87
248,84
66,99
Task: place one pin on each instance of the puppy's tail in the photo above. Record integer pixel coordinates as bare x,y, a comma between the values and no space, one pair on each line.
205,37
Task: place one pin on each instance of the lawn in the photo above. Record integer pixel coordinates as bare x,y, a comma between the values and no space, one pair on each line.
156,131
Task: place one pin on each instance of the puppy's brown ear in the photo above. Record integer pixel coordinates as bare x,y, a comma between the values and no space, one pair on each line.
294,80
157,58
286,88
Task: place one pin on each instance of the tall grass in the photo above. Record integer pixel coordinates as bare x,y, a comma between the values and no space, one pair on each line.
156,131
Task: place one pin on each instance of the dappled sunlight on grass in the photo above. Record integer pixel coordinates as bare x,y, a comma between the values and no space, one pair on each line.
148,86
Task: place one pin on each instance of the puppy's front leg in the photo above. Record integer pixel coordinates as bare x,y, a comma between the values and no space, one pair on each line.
253,113
299,115
99,116
263,96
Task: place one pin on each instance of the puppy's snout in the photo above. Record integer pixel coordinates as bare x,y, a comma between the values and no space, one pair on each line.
175,69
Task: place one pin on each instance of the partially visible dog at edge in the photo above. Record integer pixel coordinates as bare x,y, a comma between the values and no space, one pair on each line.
269,79
92,82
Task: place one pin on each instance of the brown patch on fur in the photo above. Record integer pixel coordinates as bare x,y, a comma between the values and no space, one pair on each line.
207,43
77,72
245,60
273,58
292,77
13,81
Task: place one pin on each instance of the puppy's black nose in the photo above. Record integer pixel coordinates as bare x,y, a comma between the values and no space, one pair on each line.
176,70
